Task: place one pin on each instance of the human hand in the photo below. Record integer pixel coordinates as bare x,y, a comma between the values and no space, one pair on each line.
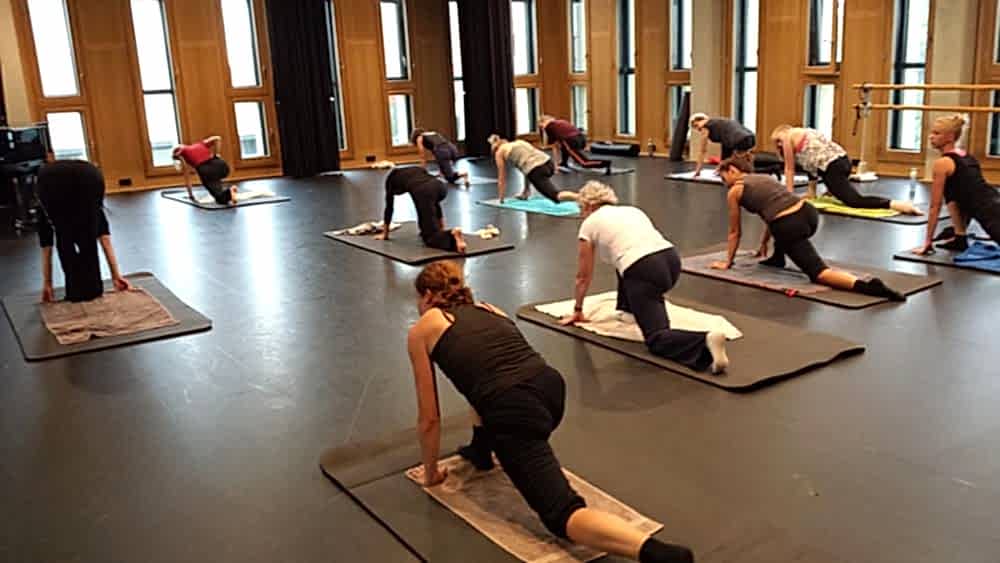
720,265
924,250
576,317
762,251
435,476
384,235
48,294
122,284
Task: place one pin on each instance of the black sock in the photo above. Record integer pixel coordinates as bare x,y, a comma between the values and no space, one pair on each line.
776,261
959,243
876,288
479,452
655,551
945,234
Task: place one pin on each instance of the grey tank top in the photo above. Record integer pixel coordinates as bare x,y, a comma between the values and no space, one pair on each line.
525,157
765,196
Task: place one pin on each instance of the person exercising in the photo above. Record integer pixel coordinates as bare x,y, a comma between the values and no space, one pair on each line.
519,401
648,266
959,182
441,150
791,221
566,141
427,194
821,157
729,133
203,158
72,220
536,166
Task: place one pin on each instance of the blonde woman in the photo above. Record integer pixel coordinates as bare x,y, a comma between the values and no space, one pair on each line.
519,400
959,182
536,166
821,157
648,266
731,134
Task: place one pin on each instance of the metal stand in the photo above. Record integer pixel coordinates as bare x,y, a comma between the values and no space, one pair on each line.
864,112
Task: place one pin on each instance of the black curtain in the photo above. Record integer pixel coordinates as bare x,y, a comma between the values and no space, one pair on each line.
303,86
487,71
3,104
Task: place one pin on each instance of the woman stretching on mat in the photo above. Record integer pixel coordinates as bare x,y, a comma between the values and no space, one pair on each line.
536,166
648,266
791,221
568,141
72,197
958,181
441,150
821,157
731,134
203,157
427,194
519,400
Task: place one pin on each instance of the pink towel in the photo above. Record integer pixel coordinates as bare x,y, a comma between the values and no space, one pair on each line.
115,313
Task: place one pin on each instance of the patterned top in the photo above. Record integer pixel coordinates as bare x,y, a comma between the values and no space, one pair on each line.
815,152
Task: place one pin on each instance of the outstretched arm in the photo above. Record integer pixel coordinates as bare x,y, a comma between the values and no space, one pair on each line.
943,167
187,178
733,201
701,154
213,143
429,416
788,154
584,275
47,293
501,176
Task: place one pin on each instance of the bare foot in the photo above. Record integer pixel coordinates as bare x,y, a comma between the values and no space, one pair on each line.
524,195
459,240
905,207
716,342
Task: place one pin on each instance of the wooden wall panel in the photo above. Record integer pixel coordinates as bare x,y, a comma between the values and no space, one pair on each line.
202,74
434,100
602,19
362,72
781,60
652,97
553,60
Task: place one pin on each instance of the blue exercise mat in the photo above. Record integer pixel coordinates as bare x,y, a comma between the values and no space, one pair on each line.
537,204
982,256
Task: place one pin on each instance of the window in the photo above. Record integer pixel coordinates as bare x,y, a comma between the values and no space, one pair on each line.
578,36
994,141
822,31
331,33
909,66
819,107
522,24
578,99
53,47
525,109
626,67
394,39
840,31
996,40
251,129
745,22
676,101
66,133
400,119
156,76
241,43
680,34
456,70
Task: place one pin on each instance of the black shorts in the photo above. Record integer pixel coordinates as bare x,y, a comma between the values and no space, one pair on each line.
212,172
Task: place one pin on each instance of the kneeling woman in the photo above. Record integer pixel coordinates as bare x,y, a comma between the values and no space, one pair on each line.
821,157
536,166
648,266
442,150
72,197
729,133
519,399
791,221
203,157
427,193
958,180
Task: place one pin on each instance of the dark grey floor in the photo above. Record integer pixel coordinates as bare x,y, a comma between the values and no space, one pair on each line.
204,448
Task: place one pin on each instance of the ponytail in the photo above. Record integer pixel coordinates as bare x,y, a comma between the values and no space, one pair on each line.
445,282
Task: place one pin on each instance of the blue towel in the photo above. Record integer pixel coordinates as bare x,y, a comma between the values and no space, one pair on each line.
981,256
537,204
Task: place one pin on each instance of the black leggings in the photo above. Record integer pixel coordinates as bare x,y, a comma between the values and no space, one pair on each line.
640,292
427,198
541,178
212,172
837,179
747,144
791,237
446,154
574,147
518,422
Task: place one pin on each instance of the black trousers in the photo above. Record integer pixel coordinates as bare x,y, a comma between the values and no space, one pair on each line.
446,154
640,292
791,238
427,198
212,172
574,147
518,422
748,143
81,267
983,205
541,178
837,179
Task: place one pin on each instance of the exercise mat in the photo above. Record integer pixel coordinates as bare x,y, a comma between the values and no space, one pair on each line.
747,271
708,176
536,204
38,343
767,352
831,205
204,200
596,171
982,257
405,245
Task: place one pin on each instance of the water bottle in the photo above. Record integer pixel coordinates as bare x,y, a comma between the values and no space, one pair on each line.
650,146
913,183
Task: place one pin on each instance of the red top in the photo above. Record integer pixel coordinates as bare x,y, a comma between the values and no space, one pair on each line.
560,129
196,154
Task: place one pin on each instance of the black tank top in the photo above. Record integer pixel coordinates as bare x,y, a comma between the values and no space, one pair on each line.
484,354
966,185
432,140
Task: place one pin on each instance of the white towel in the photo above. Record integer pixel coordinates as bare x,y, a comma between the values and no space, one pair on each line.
366,228
604,318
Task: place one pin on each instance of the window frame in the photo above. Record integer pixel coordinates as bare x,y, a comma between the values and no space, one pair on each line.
898,66
459,137
532,35
811,106
255,15
535,107
338,88
403,36
586,89
739,68
586,38
677,37
407,147
626,67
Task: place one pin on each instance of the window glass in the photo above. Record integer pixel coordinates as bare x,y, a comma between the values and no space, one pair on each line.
578,36
911,23
67,135
50,30
394,39
522,23
400,119
578,98
156,76
241,43
525,110
251,129
681,30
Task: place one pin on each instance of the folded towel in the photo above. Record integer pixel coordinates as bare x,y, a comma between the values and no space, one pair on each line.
366,228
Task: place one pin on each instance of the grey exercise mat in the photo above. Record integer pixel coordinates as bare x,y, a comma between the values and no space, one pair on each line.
942,258
37,343
405,245
768,351
181,196
794,283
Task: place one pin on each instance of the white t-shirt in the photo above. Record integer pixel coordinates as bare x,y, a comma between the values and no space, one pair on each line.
622,235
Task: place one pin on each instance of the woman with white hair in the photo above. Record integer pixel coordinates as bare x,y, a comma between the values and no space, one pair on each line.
731,134
536,166
648,266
